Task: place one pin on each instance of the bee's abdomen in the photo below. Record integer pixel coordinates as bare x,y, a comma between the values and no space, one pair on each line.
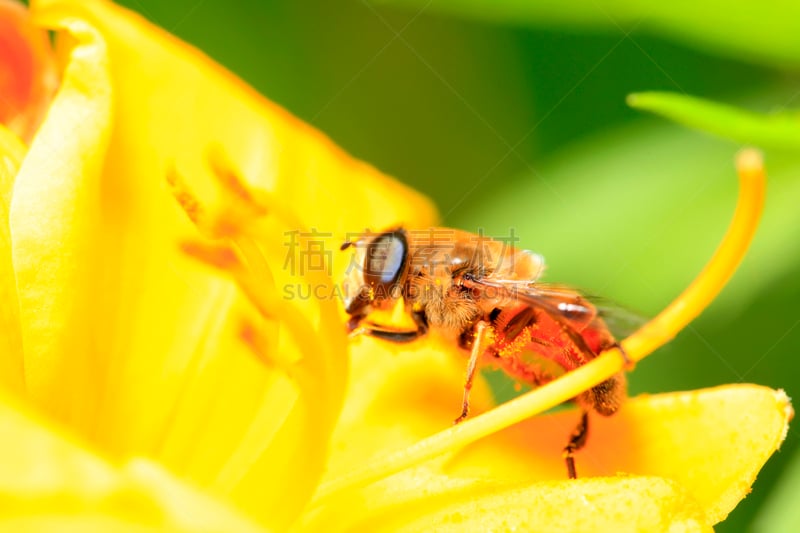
607,397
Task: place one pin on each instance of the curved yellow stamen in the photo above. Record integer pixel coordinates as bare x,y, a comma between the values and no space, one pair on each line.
651,336
242,257
236,233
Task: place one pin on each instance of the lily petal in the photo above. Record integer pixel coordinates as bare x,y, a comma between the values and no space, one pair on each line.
425,499
48,483
11,366
398,395
677,460
103,353
597,504
711,442
53,212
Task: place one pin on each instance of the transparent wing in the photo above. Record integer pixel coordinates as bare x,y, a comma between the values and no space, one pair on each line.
620,320
567,304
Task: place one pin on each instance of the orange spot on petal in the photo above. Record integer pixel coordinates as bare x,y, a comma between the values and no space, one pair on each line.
27,70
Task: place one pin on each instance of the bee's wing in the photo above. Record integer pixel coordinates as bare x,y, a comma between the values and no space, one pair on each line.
564,303
620,321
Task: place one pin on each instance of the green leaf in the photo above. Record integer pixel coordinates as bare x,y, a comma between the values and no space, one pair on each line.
779,130
764,32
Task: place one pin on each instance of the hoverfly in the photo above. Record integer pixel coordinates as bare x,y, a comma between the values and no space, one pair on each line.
485,296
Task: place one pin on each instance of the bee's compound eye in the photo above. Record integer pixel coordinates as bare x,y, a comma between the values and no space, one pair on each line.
385,260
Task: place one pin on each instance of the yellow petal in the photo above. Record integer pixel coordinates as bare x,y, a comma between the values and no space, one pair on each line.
711,442
48,483
120,358
398,395
54,210
423,499
11,366
678,460
599,504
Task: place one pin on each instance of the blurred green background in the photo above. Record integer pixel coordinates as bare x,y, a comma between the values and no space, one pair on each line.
513,115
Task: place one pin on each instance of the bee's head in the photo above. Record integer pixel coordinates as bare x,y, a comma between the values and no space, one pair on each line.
377,272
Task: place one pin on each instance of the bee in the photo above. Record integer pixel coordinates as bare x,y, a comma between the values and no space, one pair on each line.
485,296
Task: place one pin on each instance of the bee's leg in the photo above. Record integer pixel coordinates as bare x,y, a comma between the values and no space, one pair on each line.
357,327
354,324
482,336
576,441
388,335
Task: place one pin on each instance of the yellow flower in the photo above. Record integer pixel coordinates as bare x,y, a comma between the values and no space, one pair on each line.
154,373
